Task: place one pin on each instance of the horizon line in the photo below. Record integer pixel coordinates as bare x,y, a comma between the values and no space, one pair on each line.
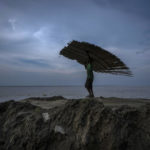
67,85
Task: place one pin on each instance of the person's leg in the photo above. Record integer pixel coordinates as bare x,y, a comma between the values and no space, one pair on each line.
87,87
91,89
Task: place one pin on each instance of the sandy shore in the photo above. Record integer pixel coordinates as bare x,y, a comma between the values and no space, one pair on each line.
113,102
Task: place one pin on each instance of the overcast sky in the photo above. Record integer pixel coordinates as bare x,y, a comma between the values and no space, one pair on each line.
32,32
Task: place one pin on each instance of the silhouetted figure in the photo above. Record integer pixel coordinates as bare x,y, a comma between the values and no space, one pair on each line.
90,76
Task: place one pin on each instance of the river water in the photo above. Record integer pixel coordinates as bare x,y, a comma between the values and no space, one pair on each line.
21,92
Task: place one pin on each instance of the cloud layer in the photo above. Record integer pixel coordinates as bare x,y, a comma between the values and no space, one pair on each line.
34,31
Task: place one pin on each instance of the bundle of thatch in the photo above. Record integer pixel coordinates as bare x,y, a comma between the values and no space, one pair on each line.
103,61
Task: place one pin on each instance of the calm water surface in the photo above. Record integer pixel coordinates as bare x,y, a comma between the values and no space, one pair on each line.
17,93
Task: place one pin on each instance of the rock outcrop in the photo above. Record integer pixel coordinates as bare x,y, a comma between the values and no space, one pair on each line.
78,125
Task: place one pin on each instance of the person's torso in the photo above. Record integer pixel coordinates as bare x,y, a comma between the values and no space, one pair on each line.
89,71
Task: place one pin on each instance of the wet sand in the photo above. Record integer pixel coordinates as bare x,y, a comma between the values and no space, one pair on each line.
113,102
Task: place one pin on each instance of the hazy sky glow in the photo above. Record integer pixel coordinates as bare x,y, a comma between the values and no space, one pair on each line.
32,32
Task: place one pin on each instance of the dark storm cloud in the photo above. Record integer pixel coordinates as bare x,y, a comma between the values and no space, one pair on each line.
134,10
34,31
39,63
136,7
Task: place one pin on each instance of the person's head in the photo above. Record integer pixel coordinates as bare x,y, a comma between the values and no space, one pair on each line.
89,61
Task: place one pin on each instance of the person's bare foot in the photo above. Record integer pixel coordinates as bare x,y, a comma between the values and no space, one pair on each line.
90,96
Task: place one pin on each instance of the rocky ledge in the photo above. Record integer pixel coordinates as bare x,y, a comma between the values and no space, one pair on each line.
85,124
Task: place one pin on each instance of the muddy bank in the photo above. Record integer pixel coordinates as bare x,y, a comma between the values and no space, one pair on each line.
113,102
85,124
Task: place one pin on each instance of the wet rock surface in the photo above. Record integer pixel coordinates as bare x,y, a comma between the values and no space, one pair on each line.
84,124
